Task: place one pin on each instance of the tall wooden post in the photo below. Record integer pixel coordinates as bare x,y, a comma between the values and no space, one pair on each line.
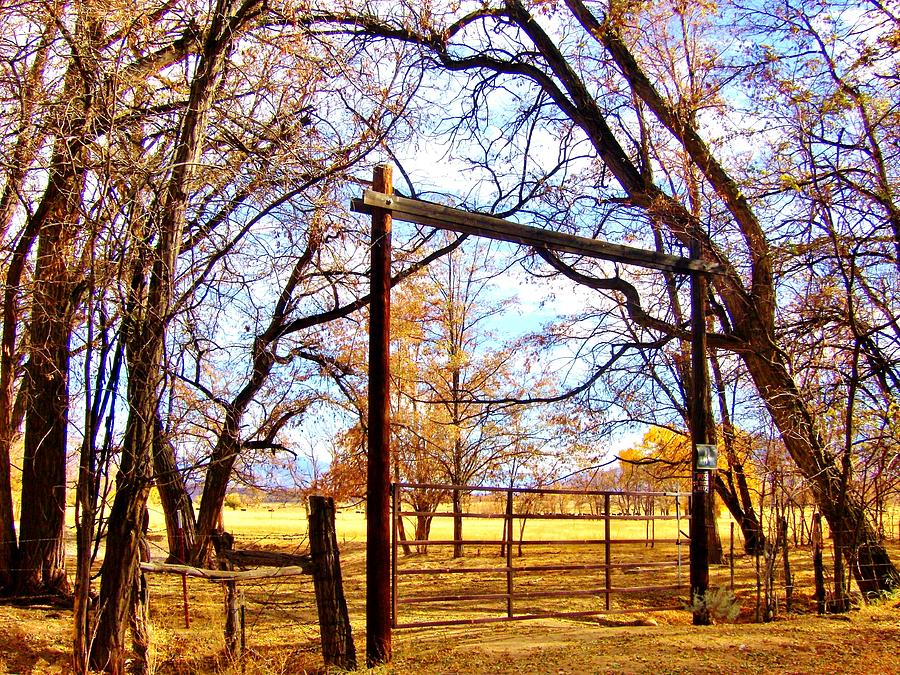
378,525
699,413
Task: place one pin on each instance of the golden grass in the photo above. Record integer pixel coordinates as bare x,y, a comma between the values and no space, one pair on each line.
282,631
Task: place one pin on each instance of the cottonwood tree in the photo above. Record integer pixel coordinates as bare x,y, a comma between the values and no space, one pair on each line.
321,287
584,69
825,79
54,206
150,296
470,389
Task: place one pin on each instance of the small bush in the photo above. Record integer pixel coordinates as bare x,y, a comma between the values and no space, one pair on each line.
719,603
234,501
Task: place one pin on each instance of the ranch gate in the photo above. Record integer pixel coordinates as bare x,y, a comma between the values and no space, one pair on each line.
383,206
584,548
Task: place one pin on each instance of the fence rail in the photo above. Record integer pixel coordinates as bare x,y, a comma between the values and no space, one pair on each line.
517,593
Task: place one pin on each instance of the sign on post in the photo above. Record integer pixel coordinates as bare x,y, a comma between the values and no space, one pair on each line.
707,455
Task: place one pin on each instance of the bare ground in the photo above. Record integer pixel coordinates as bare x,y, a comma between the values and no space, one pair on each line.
866,640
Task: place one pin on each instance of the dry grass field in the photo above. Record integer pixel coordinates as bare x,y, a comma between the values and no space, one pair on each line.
282,633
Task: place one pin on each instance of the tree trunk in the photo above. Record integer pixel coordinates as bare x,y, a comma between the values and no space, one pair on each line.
735,493
750,527
146,319
121,565
42,552
27,145
818,545
715,553
401,534
214,489
423,531
875,572
173,495
41,555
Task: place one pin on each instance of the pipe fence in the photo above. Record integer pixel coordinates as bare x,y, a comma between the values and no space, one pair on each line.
589,548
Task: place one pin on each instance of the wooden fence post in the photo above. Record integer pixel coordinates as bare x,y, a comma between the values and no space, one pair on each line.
233,642
334,620
786,561
223,543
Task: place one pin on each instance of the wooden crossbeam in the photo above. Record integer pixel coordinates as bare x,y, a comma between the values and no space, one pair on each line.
448,218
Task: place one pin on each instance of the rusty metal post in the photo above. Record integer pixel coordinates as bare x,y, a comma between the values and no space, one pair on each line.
378,478
509,558
699,413
182,554
395,527
607,548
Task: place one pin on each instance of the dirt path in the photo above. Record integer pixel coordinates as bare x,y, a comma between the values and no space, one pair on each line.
866,641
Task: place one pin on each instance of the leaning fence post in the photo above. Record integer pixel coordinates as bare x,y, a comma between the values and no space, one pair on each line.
234,645
334,621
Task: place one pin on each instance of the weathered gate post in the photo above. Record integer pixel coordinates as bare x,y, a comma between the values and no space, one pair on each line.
378,477
338,648
700,413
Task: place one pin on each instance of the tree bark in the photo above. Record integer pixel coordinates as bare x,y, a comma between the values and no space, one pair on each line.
214,490
715,552
41,557
122,561
173,495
